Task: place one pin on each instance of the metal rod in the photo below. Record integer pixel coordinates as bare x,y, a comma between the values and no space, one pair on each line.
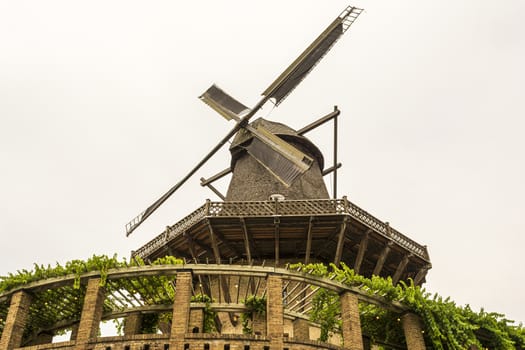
335,153
319,121
331,169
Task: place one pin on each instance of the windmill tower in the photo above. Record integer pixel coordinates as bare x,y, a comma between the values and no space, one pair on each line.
277,210
235,288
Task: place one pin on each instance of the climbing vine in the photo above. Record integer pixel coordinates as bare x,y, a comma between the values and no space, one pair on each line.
446,325
256,306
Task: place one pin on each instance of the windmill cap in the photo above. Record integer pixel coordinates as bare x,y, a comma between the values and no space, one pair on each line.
288,134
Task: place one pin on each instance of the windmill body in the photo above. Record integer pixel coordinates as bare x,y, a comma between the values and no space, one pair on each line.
251,181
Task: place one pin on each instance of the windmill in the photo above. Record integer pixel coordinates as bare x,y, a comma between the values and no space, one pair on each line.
282,159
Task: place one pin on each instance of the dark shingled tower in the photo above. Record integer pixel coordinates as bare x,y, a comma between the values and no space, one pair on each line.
251,181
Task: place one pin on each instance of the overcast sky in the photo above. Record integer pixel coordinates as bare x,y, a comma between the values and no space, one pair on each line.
99,116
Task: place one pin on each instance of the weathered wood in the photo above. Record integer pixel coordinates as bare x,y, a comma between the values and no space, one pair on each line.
340,242
421,274
400,269
309,241
382,258
247,241
361,252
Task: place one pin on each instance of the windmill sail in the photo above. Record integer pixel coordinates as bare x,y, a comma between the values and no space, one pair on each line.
300,68
282,159
223,103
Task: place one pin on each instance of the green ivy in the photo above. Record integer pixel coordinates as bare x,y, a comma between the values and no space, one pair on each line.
256,306
446,325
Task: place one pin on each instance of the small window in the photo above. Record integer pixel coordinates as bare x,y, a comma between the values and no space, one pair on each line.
195,330
108,347
166,346
266,347
206,346
127,347
226,346
145,347
247,347
186,346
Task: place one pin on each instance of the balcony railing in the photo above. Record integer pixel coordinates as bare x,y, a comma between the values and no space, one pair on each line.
284,208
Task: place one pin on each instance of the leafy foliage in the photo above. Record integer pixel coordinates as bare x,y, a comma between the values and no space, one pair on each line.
256,306
446,325
325,311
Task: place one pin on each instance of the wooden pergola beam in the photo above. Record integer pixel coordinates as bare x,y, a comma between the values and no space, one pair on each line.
382,258
361,253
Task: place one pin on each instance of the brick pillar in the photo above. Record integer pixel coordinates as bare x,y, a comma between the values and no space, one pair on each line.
15,321
259,324
274,311
74,332
196,320
301,329
181,310
353,339
91,313
133,324
413,332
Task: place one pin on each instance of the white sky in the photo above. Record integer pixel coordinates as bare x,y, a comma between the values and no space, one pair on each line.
99,116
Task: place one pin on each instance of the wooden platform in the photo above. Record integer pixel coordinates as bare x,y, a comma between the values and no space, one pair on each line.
280,232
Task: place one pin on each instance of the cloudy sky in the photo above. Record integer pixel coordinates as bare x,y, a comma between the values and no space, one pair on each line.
99,116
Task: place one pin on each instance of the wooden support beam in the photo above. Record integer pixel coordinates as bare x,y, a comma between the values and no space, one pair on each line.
309,241
420,276
340,242
276,222
247,240
361,253
382,258
205,182
191,245
214,244
400,269
213,188
225,242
